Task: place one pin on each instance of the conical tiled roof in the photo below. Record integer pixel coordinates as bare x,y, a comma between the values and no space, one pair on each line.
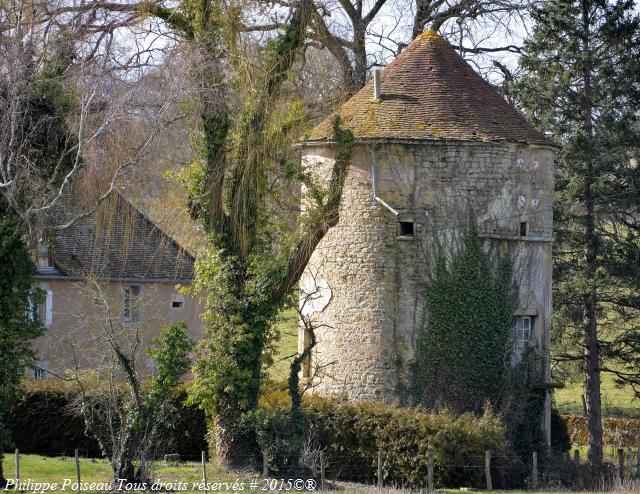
430,93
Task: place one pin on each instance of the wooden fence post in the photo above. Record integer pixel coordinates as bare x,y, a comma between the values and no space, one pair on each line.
17,465
430,470
534,473
487,470
638,454
321,470
379,469
265,465
204,470
621,463
77,468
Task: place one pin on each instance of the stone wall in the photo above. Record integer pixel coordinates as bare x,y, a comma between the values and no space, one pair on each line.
370,305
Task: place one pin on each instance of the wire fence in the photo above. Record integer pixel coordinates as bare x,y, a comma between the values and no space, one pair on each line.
44,474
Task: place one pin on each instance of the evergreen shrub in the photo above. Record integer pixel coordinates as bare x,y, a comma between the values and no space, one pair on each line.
41,423
351,434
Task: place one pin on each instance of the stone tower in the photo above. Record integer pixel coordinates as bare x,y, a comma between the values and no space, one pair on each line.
433,141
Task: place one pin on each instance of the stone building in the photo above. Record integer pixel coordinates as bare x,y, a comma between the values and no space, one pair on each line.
114,268
434,141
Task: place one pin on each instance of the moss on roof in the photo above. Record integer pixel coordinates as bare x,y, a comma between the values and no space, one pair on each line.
430,92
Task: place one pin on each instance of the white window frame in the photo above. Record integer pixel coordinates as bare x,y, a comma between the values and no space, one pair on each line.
48,308
44,259
523,332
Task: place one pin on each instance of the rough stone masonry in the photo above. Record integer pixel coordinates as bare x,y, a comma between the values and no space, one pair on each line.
435,146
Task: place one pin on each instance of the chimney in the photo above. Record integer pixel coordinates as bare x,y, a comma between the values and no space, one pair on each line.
377,85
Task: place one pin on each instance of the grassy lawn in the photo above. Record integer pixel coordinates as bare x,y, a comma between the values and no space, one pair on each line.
56,469
287,346
616,401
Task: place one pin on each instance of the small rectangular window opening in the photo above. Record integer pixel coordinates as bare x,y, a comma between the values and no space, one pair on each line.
406,228
523,228
131,311
177,301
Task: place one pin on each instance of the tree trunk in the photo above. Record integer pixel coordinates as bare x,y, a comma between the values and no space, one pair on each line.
3,481
589,298
360,56
236,448
592,369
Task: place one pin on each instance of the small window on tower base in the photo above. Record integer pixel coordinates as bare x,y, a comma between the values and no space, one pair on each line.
524,229
406,229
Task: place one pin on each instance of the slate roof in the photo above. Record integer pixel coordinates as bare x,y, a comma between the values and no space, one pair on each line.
429,92
118,242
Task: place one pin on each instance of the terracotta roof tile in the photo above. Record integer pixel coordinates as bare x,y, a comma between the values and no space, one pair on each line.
429,92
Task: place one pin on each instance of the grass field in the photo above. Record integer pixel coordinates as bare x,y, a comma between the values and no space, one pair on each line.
41,469
287,346
616,401
45,469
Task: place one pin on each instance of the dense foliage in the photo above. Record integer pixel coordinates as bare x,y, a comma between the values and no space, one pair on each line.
351,434
43,422
463,350
582,82
18,323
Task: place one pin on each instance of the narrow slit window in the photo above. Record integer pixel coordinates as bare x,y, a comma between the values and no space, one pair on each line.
524,227
406,228
131,309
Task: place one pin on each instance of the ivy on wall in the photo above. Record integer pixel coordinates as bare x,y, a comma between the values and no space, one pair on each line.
463,359
463,350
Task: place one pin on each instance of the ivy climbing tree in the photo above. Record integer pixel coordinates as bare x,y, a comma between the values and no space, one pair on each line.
18,327
253,262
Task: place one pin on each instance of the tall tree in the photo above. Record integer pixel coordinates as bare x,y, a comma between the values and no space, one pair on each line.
18,323
583,83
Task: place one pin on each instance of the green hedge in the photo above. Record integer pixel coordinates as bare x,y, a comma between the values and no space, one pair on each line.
351,434
617,432
40,423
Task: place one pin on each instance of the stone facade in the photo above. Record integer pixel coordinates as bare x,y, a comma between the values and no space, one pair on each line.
435,147
370,304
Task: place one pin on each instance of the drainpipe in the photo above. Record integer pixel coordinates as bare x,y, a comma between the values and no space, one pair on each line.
374,181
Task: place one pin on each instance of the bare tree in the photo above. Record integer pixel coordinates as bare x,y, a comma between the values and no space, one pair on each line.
60,94
127,418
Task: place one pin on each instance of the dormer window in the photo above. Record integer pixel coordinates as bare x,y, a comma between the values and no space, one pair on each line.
44,258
